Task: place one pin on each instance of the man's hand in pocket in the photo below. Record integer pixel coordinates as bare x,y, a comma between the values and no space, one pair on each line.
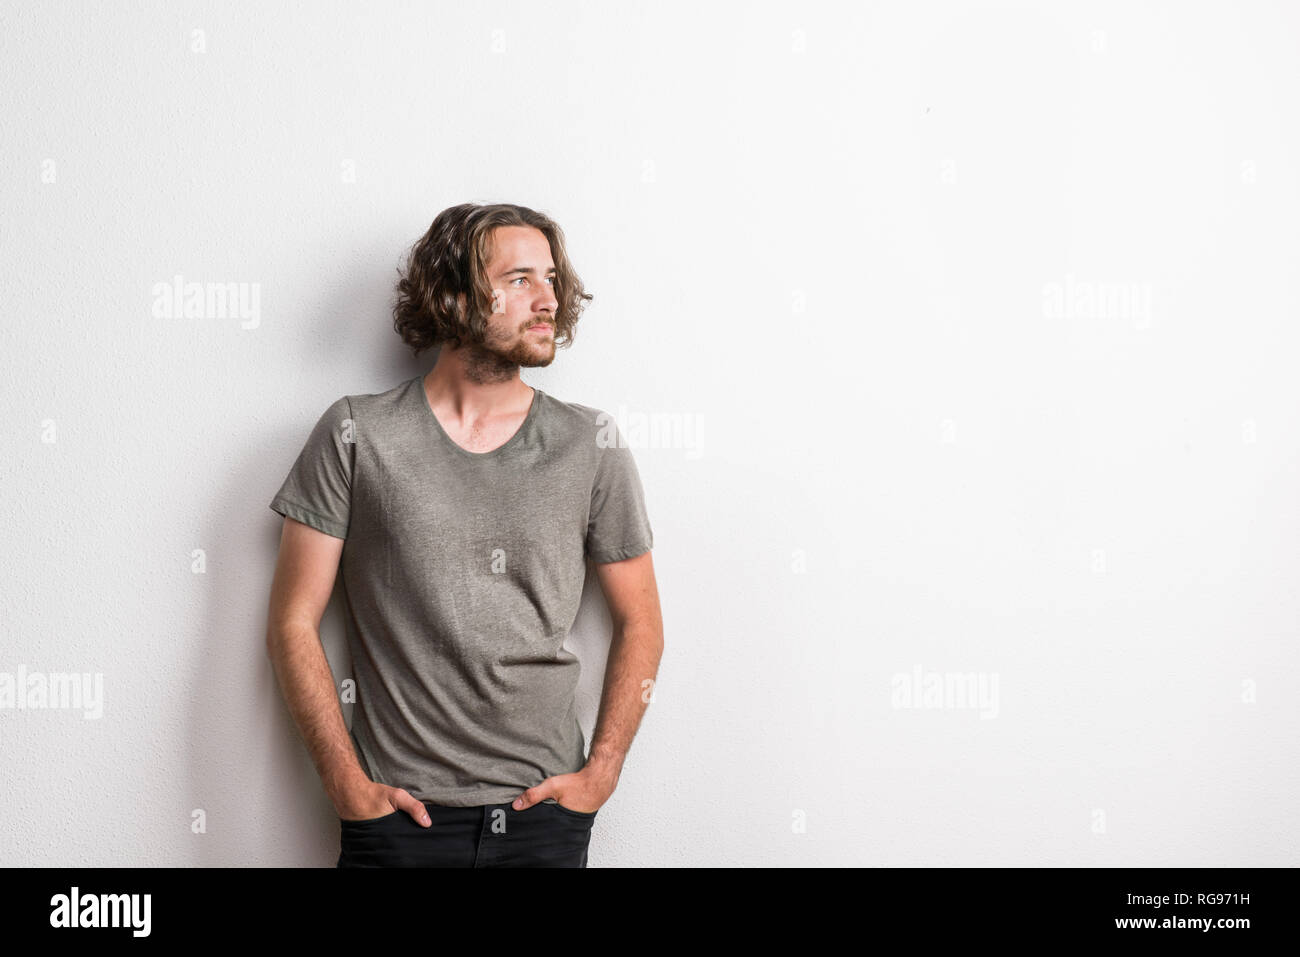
371,800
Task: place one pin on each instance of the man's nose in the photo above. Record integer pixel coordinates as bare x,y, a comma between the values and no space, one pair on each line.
546,299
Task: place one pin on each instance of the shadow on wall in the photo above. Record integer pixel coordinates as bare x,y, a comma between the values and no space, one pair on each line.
250,776
251,783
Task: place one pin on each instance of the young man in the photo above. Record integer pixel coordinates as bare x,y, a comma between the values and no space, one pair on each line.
462,506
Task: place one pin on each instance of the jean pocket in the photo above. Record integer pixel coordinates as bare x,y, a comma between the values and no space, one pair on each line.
584,814
371,820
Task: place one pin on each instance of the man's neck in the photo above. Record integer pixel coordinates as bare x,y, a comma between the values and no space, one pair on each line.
474,388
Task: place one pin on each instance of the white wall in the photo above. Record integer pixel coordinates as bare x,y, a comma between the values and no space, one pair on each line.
833,232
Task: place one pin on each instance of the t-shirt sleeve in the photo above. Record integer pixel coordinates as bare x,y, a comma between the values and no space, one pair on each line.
318,489
618,527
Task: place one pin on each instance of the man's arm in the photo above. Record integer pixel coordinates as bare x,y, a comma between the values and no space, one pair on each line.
304,578
637,645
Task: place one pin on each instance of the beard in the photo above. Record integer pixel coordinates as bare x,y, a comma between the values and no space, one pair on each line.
498,359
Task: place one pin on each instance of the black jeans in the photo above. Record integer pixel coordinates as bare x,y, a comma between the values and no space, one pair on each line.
488,835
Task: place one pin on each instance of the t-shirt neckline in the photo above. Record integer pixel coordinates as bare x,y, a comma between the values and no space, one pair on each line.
418,383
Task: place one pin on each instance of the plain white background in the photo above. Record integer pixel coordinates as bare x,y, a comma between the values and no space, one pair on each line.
985,314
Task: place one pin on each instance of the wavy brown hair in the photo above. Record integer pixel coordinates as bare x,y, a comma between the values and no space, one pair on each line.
451,259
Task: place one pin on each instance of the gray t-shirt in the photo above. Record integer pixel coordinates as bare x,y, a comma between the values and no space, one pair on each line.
462,572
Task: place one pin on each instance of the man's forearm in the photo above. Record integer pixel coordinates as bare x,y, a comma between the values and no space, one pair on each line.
308,687
629,679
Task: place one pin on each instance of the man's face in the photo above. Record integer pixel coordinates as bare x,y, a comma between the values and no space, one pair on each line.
521,327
